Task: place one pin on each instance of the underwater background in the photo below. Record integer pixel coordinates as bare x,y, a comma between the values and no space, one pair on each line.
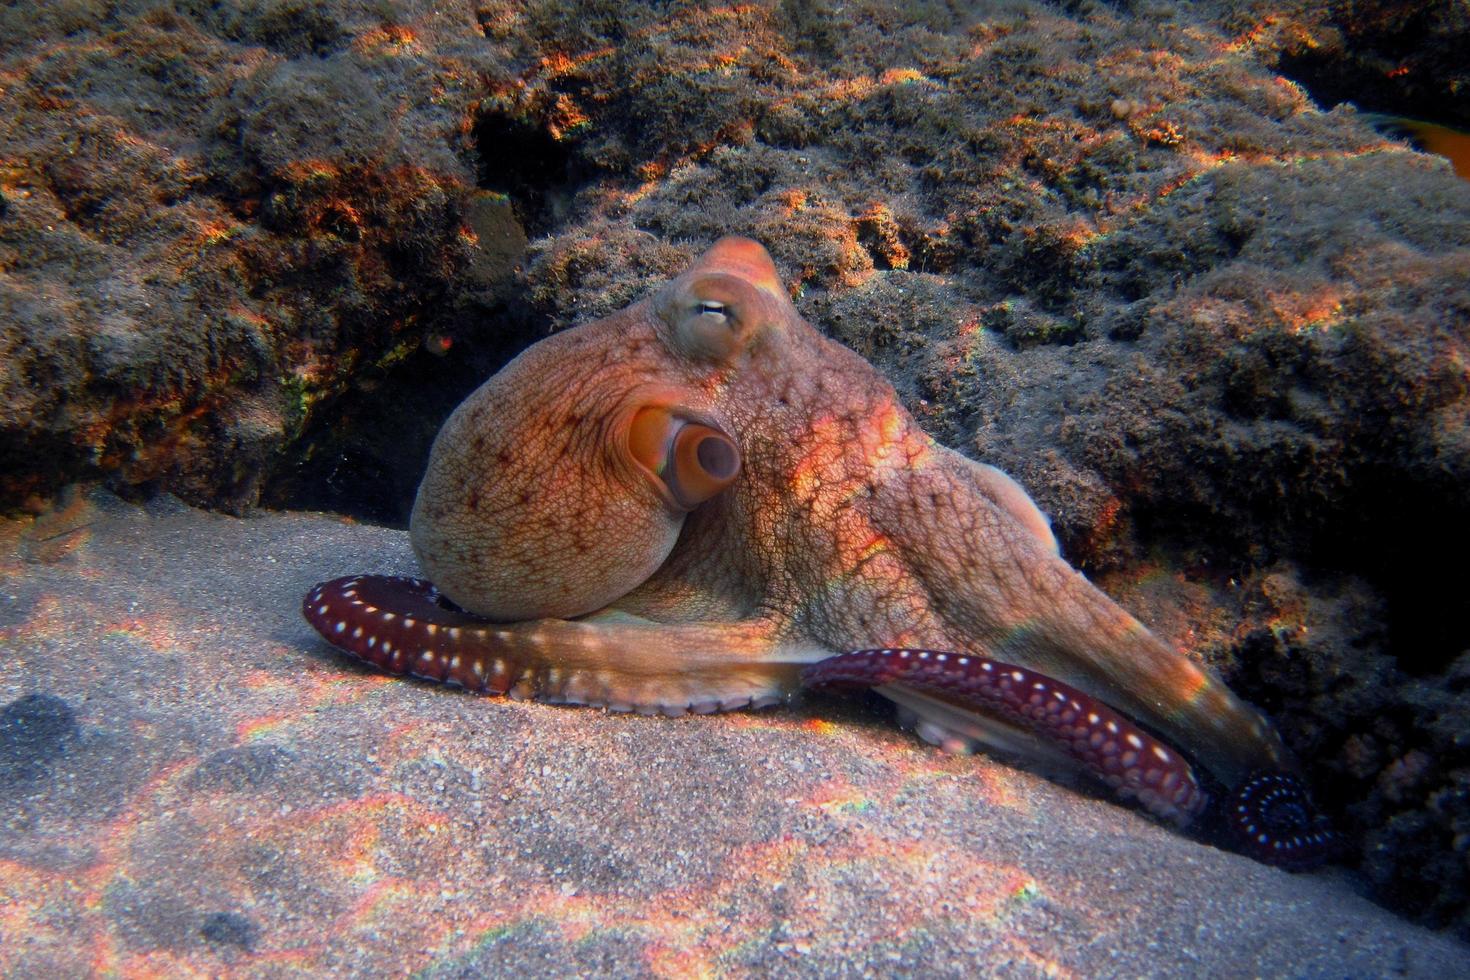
1180,269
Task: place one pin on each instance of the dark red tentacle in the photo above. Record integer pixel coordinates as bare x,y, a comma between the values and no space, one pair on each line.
1272,819
1130,760
403,626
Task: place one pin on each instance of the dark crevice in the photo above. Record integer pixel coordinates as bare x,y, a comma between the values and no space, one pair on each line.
1332,82
528,164
364,453
1399,58
1393,540
1401,554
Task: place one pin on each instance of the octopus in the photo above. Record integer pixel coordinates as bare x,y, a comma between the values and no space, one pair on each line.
701,504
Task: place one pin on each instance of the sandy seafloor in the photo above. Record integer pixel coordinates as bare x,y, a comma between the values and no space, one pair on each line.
195,785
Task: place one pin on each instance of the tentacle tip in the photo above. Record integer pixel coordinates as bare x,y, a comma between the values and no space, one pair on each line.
316,602
1271,818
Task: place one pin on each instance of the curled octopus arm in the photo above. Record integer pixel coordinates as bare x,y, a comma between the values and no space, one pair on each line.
1269,816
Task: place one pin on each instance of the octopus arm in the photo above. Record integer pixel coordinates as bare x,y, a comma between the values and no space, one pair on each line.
1003,491
1002,586
961,699
968,695
405,626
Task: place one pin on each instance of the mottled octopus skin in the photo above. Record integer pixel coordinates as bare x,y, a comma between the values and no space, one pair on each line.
682,505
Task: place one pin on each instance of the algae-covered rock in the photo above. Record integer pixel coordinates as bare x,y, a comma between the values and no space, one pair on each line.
217,218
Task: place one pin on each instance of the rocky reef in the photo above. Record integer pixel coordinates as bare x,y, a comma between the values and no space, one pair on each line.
1133,254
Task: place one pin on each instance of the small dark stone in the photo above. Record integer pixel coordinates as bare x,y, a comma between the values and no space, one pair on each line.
34,731
230,929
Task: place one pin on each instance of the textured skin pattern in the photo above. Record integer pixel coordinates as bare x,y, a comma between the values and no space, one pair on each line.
845,525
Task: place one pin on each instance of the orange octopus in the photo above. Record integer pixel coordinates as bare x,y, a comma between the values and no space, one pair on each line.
700,503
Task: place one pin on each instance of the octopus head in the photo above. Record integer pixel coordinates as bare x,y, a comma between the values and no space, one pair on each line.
562,483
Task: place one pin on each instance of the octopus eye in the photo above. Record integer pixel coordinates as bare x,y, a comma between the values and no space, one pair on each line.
711,327
713,316
690,461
